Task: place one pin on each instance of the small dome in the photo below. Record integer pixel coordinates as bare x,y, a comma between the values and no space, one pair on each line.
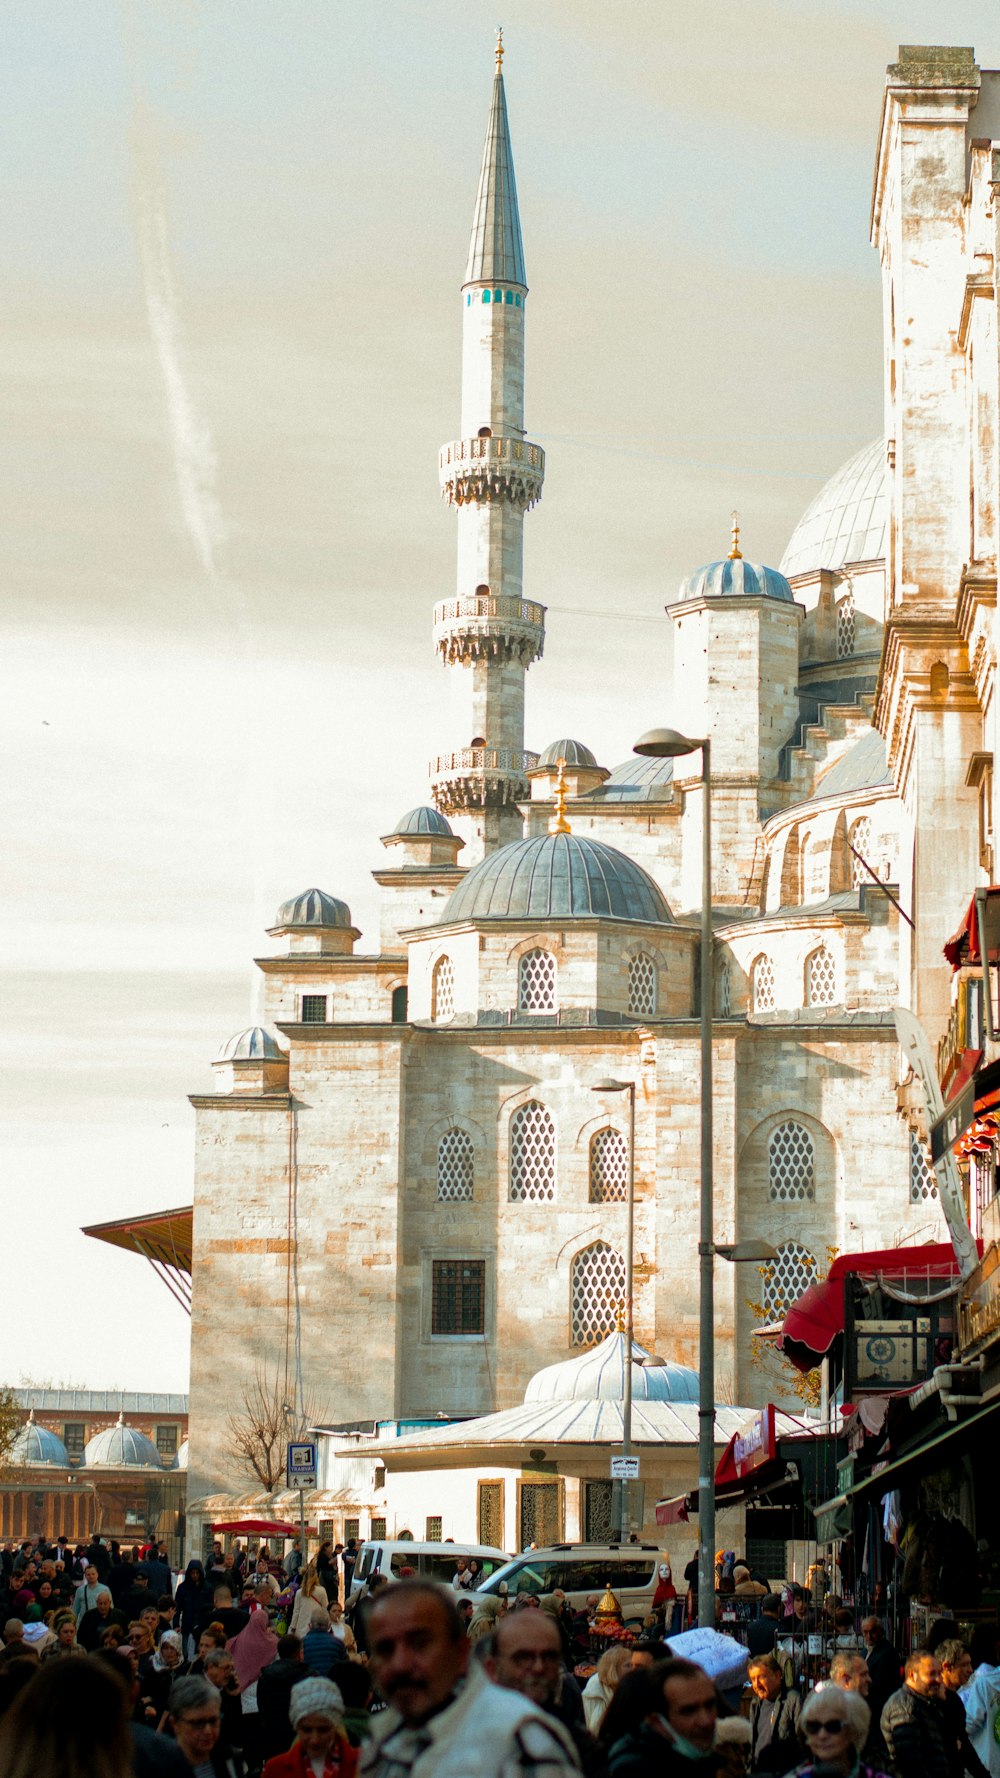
637,780
313,908
180,1456
252,1045
573,752
424,820
847,521
121,1447
557,876
736,578
599,1375
36,1444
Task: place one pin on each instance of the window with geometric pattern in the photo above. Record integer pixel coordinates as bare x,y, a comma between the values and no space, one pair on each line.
443,990
786,1278
597,1293
762,985
923,1185
608,1167
791,1164
536,982
455,1167
532,1154
458,1296
642,986
314,1009
860,837
821,978
845,625
491,1514
433,1527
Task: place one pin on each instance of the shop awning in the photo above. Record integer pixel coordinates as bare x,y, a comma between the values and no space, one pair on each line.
889,1476
962,949
817,1316
834,1519
259,1528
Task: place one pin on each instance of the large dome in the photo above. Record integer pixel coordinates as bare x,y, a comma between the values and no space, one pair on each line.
557,876
736,578
36,1444
121,1447
847,521
599,1375
314,907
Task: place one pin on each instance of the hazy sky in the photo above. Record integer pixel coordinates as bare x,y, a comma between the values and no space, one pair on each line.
234,235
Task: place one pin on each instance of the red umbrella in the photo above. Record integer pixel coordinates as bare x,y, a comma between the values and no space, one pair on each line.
261,1528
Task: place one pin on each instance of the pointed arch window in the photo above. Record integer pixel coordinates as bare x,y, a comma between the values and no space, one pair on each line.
642,986
860,838
788,1275
443,991
536,982
791,1164
608,1167
762,984
597,1293
821,978
455,1167
845,625
532,1155
923,1185
813,883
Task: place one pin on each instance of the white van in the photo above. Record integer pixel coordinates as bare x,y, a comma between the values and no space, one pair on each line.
582,1569
432,1561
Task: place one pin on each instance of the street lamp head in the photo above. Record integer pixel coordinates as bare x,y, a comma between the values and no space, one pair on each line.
608,1085
746,1250
666,743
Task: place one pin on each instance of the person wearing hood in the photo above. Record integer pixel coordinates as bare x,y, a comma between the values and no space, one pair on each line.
167,1664
192,1599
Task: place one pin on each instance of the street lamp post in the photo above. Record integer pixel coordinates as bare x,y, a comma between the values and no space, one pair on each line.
626,1086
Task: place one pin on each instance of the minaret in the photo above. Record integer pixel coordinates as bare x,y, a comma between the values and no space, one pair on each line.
488,635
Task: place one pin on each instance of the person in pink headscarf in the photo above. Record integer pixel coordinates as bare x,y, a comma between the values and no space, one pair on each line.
252,1649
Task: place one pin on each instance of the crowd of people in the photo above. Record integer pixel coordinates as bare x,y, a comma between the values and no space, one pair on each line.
247,1668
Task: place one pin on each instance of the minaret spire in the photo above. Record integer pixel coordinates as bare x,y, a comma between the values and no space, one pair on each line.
490,634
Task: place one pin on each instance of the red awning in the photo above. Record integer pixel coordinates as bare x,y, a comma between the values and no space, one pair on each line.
676,1510
817,1316
259,1528
962,949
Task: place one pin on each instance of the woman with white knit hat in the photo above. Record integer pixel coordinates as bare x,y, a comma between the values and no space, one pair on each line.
321,1748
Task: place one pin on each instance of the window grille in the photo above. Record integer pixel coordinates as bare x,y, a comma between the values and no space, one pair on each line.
923,1185
540,1514
597,1293
74,1437
314,1009
491,1514
433,1528
821,978
762,977
791,1164
458,1296
443,991
787,1277
845,625
378,1530
725,992
532,1154
352,1528
597,1519
861,839
455,1167
608,1167
642,986
166,1441
536,982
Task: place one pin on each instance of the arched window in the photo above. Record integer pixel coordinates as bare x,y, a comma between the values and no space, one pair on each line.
399,1006
725,992
455,1167
532,1154
923,1185
791,1164
845,625
443,991
536,982
762,985
642,986
597,1290
608,1167
821,978
860,837
787,1277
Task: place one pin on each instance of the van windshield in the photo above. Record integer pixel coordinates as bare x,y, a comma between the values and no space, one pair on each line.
433,1567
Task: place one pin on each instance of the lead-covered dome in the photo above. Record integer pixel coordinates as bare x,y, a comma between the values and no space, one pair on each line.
847,521
36,1444
736,578
573,752
599,1375
557,876
314,907
255,1044
121,1447
424,820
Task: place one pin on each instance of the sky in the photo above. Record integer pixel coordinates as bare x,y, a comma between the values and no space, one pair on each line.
234,235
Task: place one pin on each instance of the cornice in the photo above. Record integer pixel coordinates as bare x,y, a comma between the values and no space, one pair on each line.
241,1101
316,963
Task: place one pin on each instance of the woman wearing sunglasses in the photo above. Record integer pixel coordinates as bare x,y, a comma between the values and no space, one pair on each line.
834,1725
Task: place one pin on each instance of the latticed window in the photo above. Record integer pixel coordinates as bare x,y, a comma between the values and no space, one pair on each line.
725,992
598,1524
608,1167
378,1530
923,1185
762,984
787,1277
861,839
433,1527
314,1009
845,625
491,1514
597,1293
642,986
791,1164
458,1296
821,978
532,1154
536,982
443,990
455,1167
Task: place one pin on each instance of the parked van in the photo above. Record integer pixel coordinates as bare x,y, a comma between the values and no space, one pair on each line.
431,1561
581,1569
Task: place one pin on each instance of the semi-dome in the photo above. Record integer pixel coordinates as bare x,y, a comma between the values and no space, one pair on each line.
313,908
252,1045
599,1375
121,1447
847,521
636,780
573,752
557,876
181,1456
424,820
736,578
863,767
36,1444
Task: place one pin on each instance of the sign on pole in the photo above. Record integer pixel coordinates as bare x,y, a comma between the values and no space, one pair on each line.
301,1464
625,1469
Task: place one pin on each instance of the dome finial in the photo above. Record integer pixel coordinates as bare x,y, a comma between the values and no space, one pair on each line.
558,822
735,554
499,49
620,1318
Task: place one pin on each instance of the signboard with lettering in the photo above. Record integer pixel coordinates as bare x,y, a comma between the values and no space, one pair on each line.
755,1443
625,1469
301,1464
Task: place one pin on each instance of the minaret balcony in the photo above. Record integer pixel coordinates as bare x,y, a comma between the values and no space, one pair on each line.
477,470
489,627
480,778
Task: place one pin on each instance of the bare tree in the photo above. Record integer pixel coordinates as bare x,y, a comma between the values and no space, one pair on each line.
259,1429
11,1421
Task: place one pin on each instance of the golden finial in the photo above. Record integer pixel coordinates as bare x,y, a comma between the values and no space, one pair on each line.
558,822
620,1319
736,553
499,48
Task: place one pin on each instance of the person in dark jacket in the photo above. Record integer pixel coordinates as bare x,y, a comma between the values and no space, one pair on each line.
675,1708
274,1690
527,1657
884,1664
762,1631
192,1598
913,1724
774,1718
956,1670
156,1568
122,1575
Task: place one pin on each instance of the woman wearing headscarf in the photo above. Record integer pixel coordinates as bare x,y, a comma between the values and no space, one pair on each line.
167,1664
485,1617
193,1599
253,1649
310,1593
321,1748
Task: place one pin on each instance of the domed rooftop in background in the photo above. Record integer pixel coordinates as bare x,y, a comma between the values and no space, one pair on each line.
573,752
36,1444
637,780
598,1375
181,1456
557,876
424,819
252,1045
848,519
121,1447
313,908
736,578
862,767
